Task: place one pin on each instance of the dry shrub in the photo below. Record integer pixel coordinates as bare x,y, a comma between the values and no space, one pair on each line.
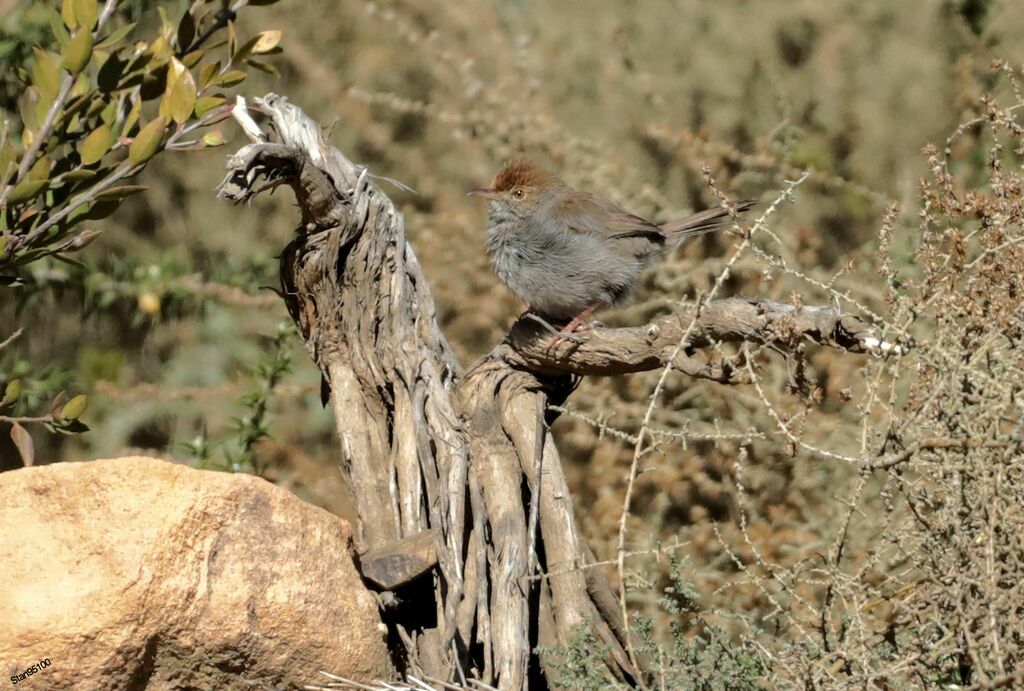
848,523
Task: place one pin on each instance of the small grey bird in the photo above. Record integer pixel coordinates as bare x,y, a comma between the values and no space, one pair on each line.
569,253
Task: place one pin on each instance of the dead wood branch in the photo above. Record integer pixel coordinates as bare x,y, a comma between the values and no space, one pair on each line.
419,438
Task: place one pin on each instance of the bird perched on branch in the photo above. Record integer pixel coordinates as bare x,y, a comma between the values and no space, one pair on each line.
568,253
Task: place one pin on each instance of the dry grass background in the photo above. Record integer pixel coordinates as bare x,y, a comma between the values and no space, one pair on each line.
793,546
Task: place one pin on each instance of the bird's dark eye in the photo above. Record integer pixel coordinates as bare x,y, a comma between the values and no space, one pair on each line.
518,194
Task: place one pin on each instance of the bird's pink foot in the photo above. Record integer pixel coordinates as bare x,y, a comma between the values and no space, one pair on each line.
577,325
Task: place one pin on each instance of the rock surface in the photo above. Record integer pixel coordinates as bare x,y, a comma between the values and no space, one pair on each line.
135,573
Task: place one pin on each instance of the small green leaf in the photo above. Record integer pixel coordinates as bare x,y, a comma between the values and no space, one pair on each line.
25,190
46,73
108,113
207,103
96,145
58,404
186,31
120,192
115,37
132,119
147,141
67,13
79,175
72,427
75,407
245,50
23,443
214,138
268,40
192,58
232,40
29,107
77,55
41,169
101,209
12,391
161,51
230,78
165,23
207,72
86,12
60,32
264,67
8,155
181,93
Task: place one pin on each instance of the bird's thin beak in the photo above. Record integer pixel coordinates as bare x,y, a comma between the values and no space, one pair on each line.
485,192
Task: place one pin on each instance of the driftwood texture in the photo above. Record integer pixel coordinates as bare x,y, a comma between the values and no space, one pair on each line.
457,466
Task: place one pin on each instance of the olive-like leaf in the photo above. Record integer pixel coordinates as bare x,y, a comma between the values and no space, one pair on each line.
160,50
245,50
230,78
207,103
214,138
166,28
75,407
96,145
41,169
29,107
45,73
181,95
186,31
101,209
267,41
67,13
25,190
8,155
86,12
58,404
264,67
12,392
79,51
232,40
147,141
192,58
115,37
60,32
207,72
132,119
79,175
23,443
120,192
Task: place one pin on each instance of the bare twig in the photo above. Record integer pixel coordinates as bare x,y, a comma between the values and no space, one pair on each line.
928,444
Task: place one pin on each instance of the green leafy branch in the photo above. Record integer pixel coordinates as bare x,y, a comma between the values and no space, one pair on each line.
96,111
239,448
62,416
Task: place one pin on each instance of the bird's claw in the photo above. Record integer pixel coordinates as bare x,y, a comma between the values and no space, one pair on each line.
562,337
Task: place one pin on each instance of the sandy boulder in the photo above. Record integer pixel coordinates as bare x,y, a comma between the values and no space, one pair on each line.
135,573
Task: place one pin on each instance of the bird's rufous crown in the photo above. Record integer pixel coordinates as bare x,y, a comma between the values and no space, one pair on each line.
519,172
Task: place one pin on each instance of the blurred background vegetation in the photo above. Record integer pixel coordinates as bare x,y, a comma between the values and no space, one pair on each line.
170,328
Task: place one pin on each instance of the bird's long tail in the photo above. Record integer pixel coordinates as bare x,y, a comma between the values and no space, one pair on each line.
704,222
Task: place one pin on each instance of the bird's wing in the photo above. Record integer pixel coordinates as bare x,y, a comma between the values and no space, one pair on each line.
586,213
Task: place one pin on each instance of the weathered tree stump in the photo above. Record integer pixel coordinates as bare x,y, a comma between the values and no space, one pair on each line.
464,456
